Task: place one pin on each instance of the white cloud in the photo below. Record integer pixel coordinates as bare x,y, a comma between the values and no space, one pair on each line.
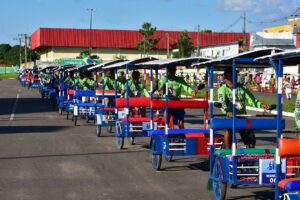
236,5
259,6
266,9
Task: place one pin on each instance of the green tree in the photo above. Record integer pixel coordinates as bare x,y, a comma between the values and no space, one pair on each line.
12,57
184,45
4,48
35,55
148,42
206,31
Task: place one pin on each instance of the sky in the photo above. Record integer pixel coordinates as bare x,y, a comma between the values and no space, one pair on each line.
26,16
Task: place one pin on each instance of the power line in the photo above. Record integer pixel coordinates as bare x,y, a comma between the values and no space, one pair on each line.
233,24
295,13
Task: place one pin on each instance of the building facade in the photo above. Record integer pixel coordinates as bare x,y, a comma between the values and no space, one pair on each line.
56,43
220,50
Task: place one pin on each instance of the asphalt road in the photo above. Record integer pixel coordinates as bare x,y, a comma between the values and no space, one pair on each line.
43,156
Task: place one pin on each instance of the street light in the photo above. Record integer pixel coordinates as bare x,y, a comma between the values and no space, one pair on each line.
91,20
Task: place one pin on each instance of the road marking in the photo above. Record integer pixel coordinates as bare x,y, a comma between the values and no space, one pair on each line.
15,106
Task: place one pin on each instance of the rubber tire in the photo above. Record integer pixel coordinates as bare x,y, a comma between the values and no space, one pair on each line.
87,119
109,129
75,120
98,130
156,159
67,115
60,111
119,138
169,158
219,187
120,142
131,140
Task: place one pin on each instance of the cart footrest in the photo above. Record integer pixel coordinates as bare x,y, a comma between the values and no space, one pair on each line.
292,184
140,119
247,151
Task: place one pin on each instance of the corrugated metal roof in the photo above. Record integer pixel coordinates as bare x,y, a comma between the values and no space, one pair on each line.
175,61
123,39
99,66
129,62
291,57
227,61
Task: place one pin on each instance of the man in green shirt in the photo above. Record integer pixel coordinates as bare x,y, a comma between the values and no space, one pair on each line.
84,82
243,97
176,85
69,79
297,111
135,88
109,81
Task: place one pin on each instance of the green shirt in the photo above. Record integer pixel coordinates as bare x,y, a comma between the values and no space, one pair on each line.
136,90
175,87
243,96
84,83
69,80
297,111
109,83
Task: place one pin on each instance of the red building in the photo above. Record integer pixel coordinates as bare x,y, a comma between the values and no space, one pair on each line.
54,43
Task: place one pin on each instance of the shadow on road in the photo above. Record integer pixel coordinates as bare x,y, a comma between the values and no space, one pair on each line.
30,129
259,195
70,155
24,105
203,164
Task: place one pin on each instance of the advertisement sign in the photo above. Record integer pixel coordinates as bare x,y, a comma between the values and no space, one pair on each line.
267,170
147,126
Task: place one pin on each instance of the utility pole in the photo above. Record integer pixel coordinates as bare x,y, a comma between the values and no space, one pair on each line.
26,37
168,45
198,41
91,21
25,48
144,47
20,43
244,30
29,47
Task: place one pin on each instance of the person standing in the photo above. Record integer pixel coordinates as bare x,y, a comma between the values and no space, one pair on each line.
243,97
288,88
297,111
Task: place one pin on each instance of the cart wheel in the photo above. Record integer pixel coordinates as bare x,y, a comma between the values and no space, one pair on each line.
169,158
156,158
60,111
67,115
156,161
87,119
131,140
120,142
72,118
120,139
109,129
219,187
98,130
75,121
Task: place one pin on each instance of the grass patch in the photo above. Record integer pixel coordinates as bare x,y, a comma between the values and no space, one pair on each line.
9,75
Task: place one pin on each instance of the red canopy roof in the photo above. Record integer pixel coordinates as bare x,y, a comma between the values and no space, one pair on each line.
127,39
